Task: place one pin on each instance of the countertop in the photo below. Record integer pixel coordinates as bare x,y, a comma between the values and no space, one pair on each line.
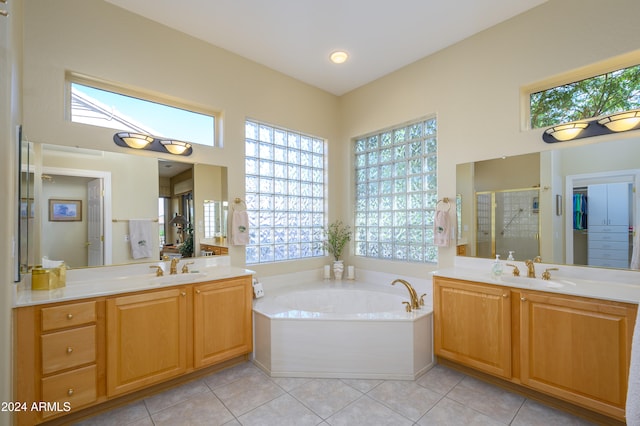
111,280
599,283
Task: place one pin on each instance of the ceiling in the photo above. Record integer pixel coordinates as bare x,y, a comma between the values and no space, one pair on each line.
296,37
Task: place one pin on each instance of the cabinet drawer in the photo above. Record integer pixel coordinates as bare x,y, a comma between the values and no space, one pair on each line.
68,315
67,349
77,387
608,245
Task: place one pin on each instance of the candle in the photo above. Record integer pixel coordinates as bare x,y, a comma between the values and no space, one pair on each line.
327,272
351,273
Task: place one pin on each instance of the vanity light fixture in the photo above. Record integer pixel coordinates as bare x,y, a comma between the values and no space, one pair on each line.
134,140
149,143
621,122
339,57
175,147
566,132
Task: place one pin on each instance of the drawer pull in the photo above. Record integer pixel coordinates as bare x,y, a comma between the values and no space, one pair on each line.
69,316
524,299
505,295
197,291
70,391
183,294
69,349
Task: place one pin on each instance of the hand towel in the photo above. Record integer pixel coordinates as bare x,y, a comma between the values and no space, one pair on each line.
140,238
240,228
441,229
635,254
633,390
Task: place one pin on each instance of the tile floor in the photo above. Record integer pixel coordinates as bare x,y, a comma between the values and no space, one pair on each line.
244,395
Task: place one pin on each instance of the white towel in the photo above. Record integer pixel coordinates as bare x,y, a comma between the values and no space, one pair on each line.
140,237
441,229
635,256
240,228
633,390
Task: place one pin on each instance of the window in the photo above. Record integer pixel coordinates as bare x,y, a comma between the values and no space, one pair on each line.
285,190
603,94
103,105
396,193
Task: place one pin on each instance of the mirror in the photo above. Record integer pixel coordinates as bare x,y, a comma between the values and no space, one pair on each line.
72,222
525,204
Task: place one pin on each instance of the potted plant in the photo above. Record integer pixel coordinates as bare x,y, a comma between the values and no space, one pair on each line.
338,235
186,248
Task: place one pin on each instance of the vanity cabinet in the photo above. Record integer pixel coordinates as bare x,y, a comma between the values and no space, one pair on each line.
58,359
572,348
146,339
474,325
72,355
222,320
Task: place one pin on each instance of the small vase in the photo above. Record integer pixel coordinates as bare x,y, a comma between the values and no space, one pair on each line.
338,269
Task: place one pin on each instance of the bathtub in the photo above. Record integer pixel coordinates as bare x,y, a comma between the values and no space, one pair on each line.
342,330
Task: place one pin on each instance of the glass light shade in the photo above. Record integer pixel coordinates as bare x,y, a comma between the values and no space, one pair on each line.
175,147
621,122
339,57
135,140
566,132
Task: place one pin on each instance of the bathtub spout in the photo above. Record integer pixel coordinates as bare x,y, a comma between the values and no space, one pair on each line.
415,302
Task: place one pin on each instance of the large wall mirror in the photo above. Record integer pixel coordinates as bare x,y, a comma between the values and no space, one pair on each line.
77,205
575,205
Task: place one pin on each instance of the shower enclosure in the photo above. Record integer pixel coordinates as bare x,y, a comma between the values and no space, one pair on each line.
508,221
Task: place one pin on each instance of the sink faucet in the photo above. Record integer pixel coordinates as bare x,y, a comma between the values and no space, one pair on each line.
415,302
531,270
174,266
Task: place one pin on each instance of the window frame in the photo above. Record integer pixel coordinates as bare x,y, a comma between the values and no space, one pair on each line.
144,95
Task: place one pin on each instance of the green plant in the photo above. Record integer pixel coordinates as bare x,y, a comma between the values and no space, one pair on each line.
338,235
186,249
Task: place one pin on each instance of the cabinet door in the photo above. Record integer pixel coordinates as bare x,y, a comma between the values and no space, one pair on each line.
222,320
618,204
472,324
577,349
146,339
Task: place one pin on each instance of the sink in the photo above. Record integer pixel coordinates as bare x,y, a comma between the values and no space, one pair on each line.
189,277
533,282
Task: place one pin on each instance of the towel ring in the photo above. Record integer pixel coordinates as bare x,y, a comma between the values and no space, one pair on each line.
445,200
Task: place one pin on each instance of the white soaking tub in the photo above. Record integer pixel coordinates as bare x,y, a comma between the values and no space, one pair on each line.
342,330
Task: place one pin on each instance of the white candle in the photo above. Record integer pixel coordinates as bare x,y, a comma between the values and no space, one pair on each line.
327,272
351,272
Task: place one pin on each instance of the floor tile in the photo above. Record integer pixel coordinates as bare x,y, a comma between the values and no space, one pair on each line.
406,397
247,393
282,411
119,416
363,385
173,396
325,397
495,402
289,383
201,409
232,374
366,411
535,414
440,379
448,412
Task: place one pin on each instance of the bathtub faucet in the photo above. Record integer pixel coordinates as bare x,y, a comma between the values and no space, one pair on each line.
415,302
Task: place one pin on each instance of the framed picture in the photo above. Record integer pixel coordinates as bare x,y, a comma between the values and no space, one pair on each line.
65,210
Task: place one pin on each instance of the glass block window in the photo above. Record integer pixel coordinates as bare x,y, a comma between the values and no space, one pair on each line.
396,193
285,194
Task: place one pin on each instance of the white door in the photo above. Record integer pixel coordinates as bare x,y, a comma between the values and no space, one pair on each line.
95,245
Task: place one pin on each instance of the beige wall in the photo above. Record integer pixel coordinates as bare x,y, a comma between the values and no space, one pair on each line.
473,87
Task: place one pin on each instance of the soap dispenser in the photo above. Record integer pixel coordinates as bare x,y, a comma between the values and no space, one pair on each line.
496,269
510,258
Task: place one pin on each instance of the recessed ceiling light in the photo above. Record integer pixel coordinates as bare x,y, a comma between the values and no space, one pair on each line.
338,57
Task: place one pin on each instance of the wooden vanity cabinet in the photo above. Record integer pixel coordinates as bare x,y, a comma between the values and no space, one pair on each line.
146,339
222,321
82,353
577,349
573,348
473,325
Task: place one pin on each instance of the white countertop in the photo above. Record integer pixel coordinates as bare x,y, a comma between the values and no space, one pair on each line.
599,283
110,280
